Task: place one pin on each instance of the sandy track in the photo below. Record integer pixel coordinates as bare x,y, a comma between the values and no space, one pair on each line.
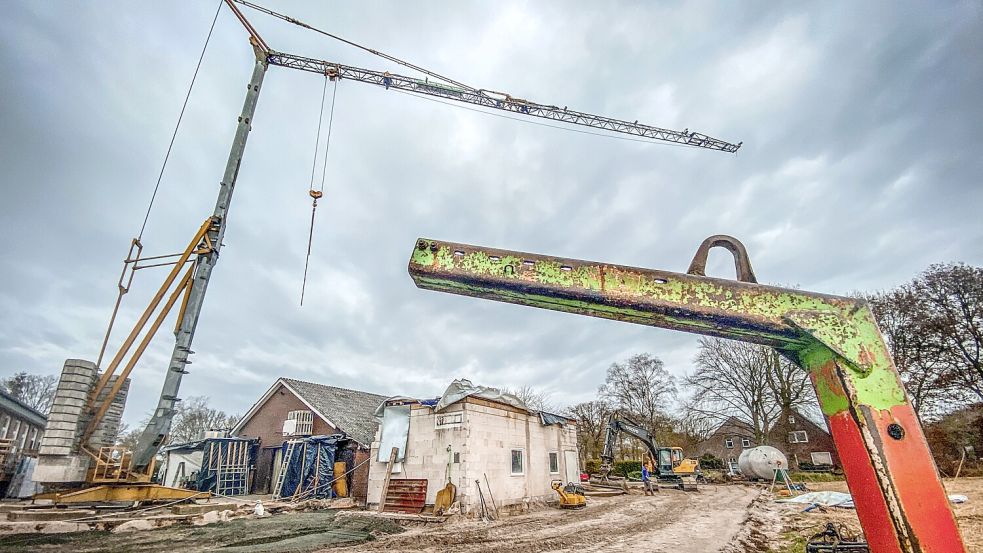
673,521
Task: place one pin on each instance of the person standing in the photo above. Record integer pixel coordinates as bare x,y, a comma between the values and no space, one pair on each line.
647,483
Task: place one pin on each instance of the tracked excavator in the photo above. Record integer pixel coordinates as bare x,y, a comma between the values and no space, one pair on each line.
670,465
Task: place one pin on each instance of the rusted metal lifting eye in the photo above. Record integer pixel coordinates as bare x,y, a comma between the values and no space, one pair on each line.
741,262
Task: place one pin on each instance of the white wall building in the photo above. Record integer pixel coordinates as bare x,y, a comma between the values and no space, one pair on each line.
472,433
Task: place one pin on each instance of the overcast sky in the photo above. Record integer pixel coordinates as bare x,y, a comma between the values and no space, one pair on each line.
861,166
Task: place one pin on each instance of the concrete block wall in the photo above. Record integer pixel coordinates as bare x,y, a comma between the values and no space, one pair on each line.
484,442
426,455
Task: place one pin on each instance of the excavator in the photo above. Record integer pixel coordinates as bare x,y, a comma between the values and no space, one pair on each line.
670,465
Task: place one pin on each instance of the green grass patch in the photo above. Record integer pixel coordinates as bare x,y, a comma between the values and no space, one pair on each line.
815,477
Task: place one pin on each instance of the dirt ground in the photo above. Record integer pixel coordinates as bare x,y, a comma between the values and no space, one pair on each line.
673,521
718,518
676,521
287,533
796,527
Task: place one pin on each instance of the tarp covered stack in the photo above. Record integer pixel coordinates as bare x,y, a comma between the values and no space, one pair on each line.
309,466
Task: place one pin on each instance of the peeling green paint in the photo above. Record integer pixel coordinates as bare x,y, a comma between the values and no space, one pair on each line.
811,327
445,259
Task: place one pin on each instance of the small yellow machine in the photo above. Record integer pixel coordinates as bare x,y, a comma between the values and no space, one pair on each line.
571,497
683,466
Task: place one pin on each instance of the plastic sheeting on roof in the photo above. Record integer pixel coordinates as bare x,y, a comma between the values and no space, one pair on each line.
547,419
462,388
380,411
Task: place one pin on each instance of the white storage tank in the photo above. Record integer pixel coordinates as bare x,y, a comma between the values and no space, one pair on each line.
761,462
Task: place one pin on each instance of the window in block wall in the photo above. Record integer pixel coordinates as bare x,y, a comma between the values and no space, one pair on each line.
518,462
449,420
798,437
745,442
729,443
554,462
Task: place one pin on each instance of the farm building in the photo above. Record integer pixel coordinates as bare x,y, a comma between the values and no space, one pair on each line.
293,410
804,443
472,433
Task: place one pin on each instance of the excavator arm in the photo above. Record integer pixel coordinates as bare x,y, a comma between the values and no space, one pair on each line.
617,425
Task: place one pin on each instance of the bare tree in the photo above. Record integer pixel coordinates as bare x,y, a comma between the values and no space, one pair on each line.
532,397
902,315
34,390
194,417
126,438
731,380
953,295
642,388
592,418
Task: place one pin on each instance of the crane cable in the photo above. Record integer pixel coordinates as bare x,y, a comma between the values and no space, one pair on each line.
317,194
177,126
160,176
382,55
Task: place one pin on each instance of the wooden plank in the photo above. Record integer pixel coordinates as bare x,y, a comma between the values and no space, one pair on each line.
389,474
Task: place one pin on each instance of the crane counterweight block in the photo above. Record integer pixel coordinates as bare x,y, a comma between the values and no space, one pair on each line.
889,468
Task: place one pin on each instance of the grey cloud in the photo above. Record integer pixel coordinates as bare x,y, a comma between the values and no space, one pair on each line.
860,167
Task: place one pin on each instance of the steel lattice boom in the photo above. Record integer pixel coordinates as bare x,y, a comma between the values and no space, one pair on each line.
497,100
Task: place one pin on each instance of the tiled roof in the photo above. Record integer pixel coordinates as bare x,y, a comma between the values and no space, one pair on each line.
21,410
352,411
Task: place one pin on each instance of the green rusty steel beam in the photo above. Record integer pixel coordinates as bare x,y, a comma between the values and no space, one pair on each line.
895,484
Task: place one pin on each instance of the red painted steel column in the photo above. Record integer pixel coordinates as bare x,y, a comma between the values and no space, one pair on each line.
889,469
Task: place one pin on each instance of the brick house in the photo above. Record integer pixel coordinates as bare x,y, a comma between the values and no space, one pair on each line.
727,442
804,441
800,439
292,409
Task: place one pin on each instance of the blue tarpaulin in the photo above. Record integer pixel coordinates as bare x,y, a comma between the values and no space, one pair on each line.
310,468
224,456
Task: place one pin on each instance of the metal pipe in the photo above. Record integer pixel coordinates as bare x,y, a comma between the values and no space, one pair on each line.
154,302
93,423
889,468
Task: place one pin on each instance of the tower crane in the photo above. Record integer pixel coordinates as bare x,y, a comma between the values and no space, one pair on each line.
126,475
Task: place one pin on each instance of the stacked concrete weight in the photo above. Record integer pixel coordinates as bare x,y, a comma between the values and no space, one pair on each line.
61,434
108,430
58,455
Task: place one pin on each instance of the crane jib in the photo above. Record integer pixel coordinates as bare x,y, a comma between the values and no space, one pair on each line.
498,101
